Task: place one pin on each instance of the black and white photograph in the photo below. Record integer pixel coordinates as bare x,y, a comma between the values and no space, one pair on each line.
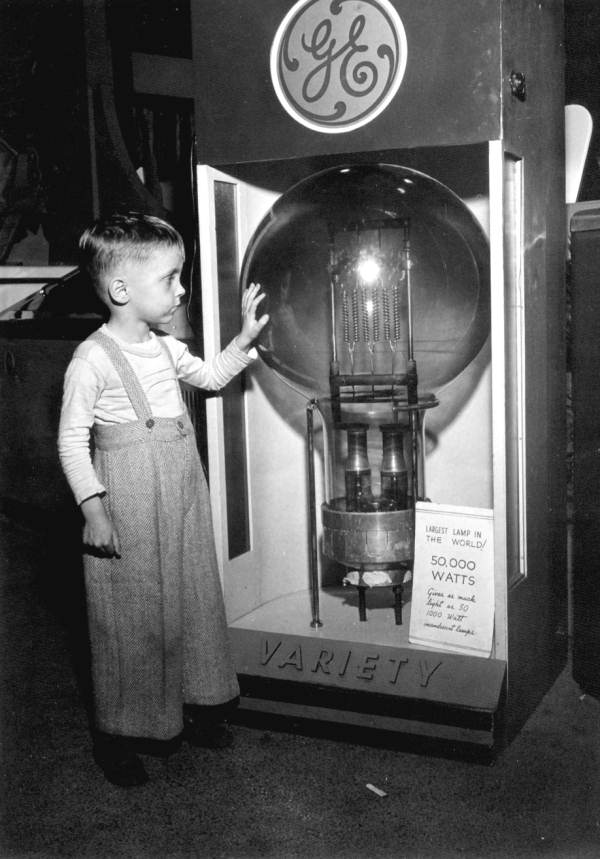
299,429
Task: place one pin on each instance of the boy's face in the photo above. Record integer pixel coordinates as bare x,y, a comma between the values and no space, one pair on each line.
154,290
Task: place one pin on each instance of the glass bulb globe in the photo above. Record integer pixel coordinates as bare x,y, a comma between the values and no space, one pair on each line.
334,256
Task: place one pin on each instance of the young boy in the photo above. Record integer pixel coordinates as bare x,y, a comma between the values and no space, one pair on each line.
161,666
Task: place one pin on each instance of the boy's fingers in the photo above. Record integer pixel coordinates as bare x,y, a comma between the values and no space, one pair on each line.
251,291
253,304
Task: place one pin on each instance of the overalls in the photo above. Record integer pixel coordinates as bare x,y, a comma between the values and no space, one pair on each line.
156,615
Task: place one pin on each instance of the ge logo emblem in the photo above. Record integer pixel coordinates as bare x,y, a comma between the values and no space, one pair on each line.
337,64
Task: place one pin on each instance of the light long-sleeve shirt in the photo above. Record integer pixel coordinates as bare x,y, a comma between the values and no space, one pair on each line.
94,394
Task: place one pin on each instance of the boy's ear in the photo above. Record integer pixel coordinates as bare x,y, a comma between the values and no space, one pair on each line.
117,290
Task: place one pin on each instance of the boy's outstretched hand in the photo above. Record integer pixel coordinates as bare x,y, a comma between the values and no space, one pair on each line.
251,326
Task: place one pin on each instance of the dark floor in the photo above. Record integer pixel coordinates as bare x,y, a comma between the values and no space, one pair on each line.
275,794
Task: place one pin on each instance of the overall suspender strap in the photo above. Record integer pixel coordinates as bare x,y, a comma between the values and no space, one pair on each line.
127,375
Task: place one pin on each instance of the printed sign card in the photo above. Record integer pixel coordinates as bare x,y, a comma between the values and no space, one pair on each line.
453,579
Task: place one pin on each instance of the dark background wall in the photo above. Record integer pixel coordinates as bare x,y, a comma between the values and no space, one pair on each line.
47,48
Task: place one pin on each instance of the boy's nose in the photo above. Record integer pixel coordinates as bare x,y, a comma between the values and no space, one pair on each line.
180,290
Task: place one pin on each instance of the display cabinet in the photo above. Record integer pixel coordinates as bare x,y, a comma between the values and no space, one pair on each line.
377,166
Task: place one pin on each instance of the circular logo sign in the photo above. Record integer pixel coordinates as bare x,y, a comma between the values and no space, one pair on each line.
336,64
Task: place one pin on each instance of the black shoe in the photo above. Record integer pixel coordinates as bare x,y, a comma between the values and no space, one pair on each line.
120,765
125,772
218,736
156,748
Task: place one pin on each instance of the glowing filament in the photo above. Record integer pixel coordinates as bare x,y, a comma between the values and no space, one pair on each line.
368,270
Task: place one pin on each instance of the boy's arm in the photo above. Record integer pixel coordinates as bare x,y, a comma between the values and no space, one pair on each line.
215,373
80,393
81,388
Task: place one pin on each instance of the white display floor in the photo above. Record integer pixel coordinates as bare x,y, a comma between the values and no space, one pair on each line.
338,611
